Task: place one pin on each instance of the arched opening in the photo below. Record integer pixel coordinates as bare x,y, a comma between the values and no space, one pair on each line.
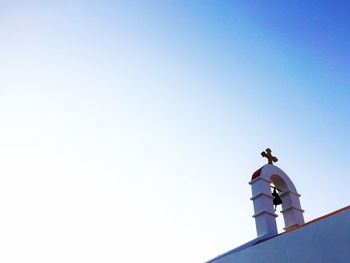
291,210
279,182
279,186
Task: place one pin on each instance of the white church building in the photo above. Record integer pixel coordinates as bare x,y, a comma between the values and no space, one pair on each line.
322,240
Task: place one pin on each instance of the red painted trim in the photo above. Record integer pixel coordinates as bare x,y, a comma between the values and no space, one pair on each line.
256,173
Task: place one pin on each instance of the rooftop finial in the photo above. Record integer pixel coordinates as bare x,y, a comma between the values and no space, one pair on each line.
267,153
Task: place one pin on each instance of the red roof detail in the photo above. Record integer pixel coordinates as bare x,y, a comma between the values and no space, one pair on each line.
256,173
318,219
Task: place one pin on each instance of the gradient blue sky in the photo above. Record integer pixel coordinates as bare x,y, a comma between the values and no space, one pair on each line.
130,129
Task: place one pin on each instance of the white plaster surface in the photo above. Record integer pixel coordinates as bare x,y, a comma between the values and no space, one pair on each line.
324,241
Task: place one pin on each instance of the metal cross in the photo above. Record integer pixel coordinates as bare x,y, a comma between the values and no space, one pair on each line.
267,153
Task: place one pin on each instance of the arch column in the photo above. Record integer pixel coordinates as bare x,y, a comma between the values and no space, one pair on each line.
264,213
291,209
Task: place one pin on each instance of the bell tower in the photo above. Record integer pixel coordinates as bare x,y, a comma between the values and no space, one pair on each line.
263,200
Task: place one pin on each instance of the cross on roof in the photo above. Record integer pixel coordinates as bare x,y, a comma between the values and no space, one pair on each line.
267,153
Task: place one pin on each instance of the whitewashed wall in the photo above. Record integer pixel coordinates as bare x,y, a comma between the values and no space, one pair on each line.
325,241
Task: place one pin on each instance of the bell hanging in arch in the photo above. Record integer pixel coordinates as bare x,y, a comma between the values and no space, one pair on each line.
277,199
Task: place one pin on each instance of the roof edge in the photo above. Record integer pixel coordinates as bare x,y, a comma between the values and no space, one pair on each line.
318,219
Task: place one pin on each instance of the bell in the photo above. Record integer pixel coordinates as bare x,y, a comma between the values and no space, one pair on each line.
277,199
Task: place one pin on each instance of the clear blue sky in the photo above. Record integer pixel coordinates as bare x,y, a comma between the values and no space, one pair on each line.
130,129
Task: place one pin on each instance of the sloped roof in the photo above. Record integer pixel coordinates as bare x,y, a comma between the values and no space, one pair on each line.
318,219
258,240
